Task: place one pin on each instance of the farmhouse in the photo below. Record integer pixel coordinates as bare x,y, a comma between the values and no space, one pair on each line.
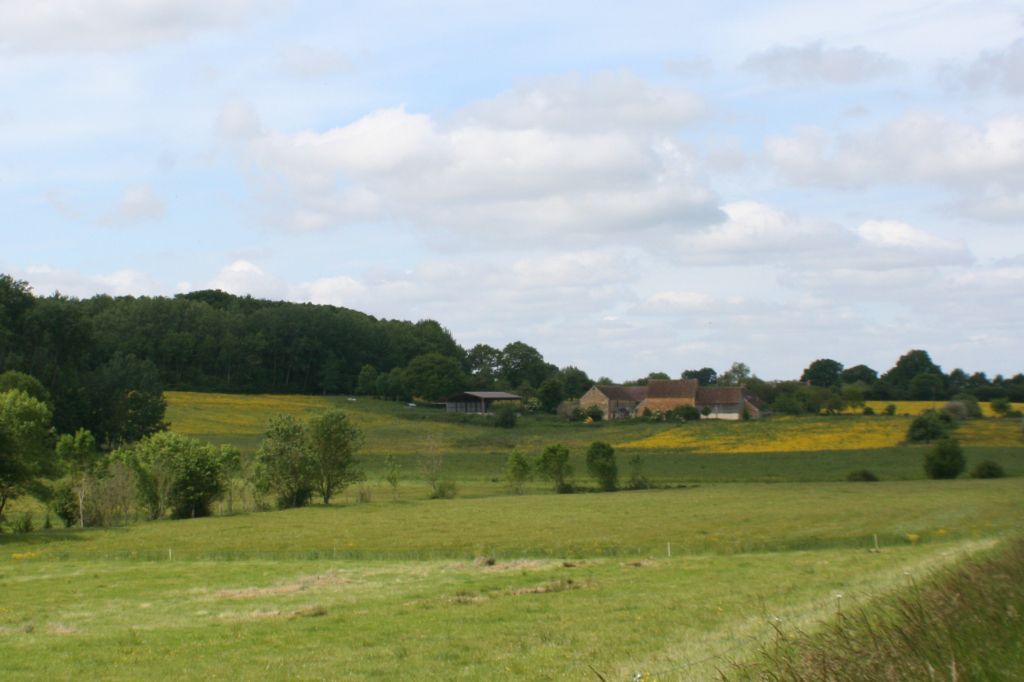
664,395
728,402
615,402
476,402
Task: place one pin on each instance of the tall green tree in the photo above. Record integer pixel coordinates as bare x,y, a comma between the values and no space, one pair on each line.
333,441
26,445
550,393
824,372
859,373
575,382
79,455
283,464
483,363
705,376
126,400
523,364
14,380
434,376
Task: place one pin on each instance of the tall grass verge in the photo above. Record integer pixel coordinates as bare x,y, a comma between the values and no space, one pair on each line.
965,623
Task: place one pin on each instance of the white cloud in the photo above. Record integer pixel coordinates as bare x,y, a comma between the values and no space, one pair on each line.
310,61
815,63
519,167
760,234
46,280
894,234
242,278
756,232
607,101
64,25
340,290
993,69
238,120
982,164
679,300
575,269
997,202
136,205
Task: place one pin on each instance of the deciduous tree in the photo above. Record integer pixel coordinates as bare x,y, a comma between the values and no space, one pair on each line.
26,445
602,466
553,464
333,442
79,454
283,463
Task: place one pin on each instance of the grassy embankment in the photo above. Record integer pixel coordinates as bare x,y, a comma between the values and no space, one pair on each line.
964,623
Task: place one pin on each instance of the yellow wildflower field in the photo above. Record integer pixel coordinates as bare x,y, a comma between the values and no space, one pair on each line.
814,434
778,434
916,407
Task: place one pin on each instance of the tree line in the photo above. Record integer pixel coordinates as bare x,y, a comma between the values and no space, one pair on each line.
214,341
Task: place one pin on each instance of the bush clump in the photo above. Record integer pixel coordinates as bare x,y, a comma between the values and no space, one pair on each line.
861,475
988,469
931,426
602,466
505,416
945,459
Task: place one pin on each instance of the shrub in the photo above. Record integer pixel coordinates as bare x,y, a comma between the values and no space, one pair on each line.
868,411
956,409
1001,406
637,480
970,404
683,413
392,474
505,416
517,471
24,523
861,475
889,410
553,464
602,466
987,469
64,503
594,412
929,426
444,490
945,459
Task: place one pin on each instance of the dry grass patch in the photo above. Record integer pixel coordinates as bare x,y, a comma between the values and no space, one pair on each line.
300,585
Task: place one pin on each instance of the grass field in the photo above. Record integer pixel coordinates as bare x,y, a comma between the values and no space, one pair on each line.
753,526
392,590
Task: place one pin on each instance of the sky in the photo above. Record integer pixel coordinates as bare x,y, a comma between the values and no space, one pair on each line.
628,187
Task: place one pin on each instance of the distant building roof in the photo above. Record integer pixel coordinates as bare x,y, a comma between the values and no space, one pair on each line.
486,395
672,388
627,393
720,395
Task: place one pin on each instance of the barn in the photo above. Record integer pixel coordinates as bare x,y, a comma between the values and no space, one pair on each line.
477,402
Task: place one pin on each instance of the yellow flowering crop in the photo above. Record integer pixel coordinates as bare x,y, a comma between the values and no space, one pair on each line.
779,434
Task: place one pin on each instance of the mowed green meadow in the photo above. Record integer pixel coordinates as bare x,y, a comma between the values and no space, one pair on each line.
674,583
